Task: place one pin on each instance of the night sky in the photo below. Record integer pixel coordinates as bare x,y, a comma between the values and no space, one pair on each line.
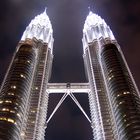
67,18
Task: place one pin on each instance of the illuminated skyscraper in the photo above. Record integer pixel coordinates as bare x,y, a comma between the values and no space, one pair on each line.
23,99
114,97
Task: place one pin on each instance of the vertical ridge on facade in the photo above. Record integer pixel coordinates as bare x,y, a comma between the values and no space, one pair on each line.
24,100
112,86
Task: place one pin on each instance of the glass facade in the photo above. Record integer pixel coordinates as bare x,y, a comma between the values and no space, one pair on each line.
124,97
15,92
24,92
114,99
23,96
102,122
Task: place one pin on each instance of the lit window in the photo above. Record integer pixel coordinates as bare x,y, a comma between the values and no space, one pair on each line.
127,124
107,120
12,111
5,109
15,107
112,76
126,92
14,87
124,116
18,114
21,75
33,111
10,120
99,90
118,95
33,122
121,102
22,134
36,88
16,103
28,61
1,102
11,94
8,101
3,119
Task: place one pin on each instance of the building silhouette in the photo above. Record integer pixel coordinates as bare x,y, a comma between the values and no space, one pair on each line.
23,101
114,99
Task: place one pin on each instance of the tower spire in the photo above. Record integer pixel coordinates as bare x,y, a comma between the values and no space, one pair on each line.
95,23
89,8
40,28
45,11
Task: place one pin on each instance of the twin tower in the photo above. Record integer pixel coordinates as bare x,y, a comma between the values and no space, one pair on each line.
114,99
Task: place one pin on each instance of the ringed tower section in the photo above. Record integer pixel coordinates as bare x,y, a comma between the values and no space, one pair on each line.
95,33
114,100
23,97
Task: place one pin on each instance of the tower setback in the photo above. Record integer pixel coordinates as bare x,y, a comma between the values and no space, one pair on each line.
23,99
114,97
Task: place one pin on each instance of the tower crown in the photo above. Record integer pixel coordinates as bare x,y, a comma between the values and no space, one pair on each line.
94,28
40,28
93,20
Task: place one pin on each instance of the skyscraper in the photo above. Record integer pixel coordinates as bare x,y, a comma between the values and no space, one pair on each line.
23,99
113,96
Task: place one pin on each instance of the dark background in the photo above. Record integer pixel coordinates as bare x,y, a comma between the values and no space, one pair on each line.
67,17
